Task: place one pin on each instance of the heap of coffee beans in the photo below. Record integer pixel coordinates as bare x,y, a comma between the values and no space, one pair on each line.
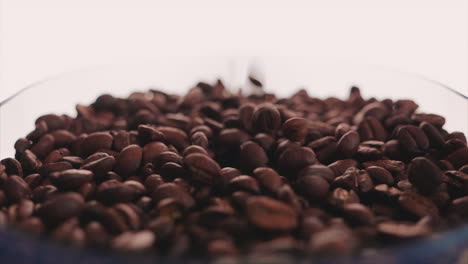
213,174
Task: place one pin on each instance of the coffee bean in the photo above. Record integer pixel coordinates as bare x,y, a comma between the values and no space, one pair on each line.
433,119
339,167
200,139
16,188
175,136
40,130
295,128
318,170
270,214
63,138
348,144
417,205
375,110
232,137
380,175
244,183
246,112
412,139
266,118
129,160
295,159
371,128
101,166
96,141
313,187
60,207
113,191
340,197
459,158
435,138
268,179
12,167
424,175
53,122
336,240
171,190
203,168
252,155
71,179
359,213
325,148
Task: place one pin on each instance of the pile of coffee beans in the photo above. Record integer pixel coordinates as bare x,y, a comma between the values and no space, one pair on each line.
217,174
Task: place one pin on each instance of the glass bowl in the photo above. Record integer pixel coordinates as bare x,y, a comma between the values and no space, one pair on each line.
281,75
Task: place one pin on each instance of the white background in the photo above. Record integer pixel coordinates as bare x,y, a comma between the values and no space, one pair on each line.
42,38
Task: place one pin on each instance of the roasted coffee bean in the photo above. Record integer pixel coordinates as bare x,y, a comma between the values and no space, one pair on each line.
295,128
313,187
266,118
40,130
417,205
244,183
403,230
424,175
60,207
435,120
245,116
29,161
394,166
101,166
202,167
152,150
12,167
412,139
371,128
129,160
252,155
339,167
134,241
325,148
172,190
459,158
358,213
53,122
348,144
71,179
96,141
268,179
232,137
175,136
270,214
435,138
63,138
376,110
295,159
334,240
380,175
113,191
318,170
200,139
194,149
340,197
16,188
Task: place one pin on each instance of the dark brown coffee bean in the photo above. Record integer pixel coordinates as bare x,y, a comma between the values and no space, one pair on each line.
56,155
270,214
358,214
252,155
371,128
244,183
295,128
394,166
43,192
318,170
39,131
412,139
459,158
128,161
266,118
32,225
60,207
202,167
29,161
424,175
337,240
435,138
340,166
268,179
325,148
12,167
172,190
101,166
63,138
200,139
53,122
232,137
16,188
96,141
22,144
152,150
313,187
295,159
433,119
71,179
380,175
340,197
417,205
245,116
348,144
152,182
194,149
175,136
113,191
376,110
